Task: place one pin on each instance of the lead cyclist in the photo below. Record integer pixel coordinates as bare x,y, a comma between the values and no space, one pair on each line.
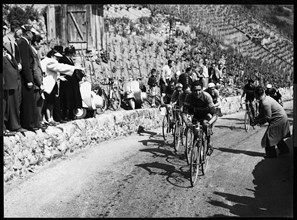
199,104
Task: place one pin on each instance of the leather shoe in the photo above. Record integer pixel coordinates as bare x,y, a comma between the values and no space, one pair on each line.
9,133
21,130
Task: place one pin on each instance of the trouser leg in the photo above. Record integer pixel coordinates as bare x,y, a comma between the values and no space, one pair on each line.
282,147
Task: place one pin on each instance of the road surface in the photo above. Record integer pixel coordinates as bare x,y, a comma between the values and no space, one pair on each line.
140,176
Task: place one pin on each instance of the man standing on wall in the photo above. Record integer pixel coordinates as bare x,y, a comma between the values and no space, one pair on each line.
27,104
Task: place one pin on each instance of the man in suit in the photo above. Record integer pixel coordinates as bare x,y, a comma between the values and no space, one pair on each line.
10,43
38,81
27,105
11,113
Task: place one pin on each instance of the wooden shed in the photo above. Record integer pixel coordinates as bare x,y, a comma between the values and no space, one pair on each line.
80,25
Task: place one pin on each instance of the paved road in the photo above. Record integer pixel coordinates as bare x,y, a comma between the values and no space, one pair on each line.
139,176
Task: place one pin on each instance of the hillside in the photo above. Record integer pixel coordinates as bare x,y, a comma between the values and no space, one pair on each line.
141,37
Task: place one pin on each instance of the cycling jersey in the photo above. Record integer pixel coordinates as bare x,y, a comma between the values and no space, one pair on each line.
250,92
199,107
214,94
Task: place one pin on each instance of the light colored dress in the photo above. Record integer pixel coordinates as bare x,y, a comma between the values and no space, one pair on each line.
277,118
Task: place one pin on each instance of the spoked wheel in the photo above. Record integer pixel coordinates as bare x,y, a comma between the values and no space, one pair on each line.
195,163
203,155
176,136
165,127
188,144
116,100
247,122
80,113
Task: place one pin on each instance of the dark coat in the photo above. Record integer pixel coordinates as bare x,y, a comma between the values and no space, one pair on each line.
28,101
37,71
10,72
70,96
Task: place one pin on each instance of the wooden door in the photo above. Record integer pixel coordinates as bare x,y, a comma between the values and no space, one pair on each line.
77,26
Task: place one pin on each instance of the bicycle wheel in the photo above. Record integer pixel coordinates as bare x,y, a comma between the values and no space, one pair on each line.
188,144
203,155
176,136
195,162
246,121
165,127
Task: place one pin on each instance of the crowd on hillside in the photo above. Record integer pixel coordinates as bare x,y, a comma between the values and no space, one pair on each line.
42,91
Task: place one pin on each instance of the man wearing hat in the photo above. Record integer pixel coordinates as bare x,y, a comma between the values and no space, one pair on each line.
27,57
274,93
11,112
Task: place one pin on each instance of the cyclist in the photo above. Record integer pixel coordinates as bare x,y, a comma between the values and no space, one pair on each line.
175,96
168,92
249,93
214,93
199,103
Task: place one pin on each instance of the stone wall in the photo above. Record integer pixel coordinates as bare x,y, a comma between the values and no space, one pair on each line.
25,153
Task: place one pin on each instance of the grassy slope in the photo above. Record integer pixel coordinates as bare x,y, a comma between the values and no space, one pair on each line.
276,14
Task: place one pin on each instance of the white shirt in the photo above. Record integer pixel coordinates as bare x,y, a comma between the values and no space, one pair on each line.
205,71
166,71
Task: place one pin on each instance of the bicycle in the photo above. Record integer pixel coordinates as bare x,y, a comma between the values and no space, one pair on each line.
113,96
198,152
248,116
178,134
167,123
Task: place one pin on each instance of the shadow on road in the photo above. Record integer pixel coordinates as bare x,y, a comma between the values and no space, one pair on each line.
230,127
233,119
174,168
157,152
273,189
235,151
159,142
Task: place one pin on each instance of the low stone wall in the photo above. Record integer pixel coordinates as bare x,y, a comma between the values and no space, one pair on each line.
23,153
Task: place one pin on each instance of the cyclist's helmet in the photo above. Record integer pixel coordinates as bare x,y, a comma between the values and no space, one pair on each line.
211,85
179,85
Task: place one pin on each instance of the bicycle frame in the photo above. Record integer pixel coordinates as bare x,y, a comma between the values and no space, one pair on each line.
198,150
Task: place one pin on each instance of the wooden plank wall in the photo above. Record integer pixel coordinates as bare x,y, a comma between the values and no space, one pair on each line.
95,39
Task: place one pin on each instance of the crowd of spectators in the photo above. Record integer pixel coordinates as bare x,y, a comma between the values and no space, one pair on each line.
45,91
31,86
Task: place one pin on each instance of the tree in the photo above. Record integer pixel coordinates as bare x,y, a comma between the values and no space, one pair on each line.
17,17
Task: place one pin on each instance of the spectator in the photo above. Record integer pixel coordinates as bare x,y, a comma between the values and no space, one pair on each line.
152,82
11,76
38,82
166,76
212,74
219,73
70,97
205,74
278,128
10,43
274,93
52,69
141,84
185,78
27,104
